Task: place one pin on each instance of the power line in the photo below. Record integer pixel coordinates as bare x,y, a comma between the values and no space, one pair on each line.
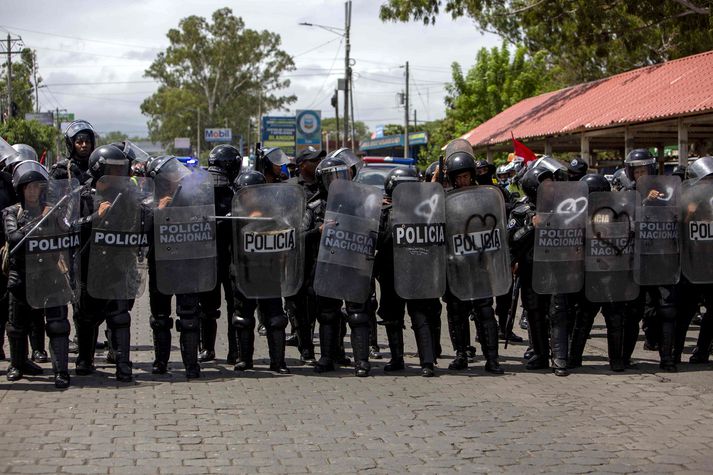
90,40
321,88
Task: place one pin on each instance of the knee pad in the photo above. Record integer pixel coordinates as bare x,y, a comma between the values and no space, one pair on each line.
57,327
278,322
243,323
358,319
161,322
119,320
188,325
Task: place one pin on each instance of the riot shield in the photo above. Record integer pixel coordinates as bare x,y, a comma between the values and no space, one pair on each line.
697,231
478,264
657,260
418,231
610,250
268,240
185,250
458,145
119,241
348,243
51,270
559,237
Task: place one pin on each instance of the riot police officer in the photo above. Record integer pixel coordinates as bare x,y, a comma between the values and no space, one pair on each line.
224,164
7,198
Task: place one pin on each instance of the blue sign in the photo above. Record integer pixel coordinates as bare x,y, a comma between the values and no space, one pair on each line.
309,129
218,135
378,132
390,141
279,132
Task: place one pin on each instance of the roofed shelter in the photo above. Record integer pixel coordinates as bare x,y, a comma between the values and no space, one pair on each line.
656,106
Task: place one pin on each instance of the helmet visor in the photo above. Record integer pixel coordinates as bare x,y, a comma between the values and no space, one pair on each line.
134,153
700,169
348,156
339,172
277,157
6,151
77,126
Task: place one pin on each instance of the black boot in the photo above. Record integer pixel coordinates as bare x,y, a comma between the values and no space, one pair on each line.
702,351
246,347
162,350
631,337
459,332
503,332
395,336
121,343
328,346
360,348
59,351
189,352
276,348
110,354
488,329
232,357
615,341
86,343
18,354
558,334
424,342
537,323
580,335
209,330
668,335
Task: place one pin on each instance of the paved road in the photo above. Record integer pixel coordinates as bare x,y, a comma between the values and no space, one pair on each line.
458,422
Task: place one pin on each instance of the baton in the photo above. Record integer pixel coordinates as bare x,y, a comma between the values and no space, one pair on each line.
44,218
440,170
111,207
513,308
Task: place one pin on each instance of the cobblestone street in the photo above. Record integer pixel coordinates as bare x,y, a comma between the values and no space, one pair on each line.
469,421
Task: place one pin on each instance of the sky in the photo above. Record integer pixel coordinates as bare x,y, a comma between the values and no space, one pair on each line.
92,54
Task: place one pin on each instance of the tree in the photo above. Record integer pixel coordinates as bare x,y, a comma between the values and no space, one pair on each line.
361,131
116,136
497,80
219,74
584,39
39,136
22,87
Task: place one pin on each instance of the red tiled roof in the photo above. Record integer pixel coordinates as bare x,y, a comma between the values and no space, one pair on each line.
674,88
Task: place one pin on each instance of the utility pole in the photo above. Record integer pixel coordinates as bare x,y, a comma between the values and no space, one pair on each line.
198,134
9,51
335,104
415,122
347,67
406,109
34,76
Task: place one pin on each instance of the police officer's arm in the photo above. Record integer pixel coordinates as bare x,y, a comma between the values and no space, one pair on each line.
13,232
521,231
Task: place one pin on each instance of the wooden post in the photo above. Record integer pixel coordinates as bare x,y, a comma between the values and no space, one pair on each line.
661,157
584,150
628,140
682,143
489,154
548,147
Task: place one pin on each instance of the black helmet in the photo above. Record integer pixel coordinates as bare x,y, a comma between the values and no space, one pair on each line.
26,172
331,169
399,175
24,152
620,181
483,172
72,132
428,174
108,156
640,157
457,163
248,178
577,168
227,158
531,180
6,152
596,182
700,169
559,171
349,157
679,171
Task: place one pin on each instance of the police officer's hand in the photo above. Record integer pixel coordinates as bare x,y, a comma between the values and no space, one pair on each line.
165,201
436,175
46,210
103,208
654,195
255,214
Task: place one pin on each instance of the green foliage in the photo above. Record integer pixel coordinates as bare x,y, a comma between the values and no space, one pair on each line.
583,39
497,80
22,87
361,131
41,137
219,74
116,136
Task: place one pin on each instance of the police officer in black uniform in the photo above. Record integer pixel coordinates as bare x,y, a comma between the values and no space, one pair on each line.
224,164
7,198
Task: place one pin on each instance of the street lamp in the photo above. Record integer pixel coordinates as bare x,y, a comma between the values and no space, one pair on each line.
347,66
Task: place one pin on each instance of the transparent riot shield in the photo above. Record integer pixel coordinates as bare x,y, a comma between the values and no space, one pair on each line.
458,145
418,230
348,243
478,264
559,237
185,250
268,240
610,247
658,260
119,241
697,231
51,270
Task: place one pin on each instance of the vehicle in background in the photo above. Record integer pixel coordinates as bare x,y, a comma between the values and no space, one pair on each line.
375,169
